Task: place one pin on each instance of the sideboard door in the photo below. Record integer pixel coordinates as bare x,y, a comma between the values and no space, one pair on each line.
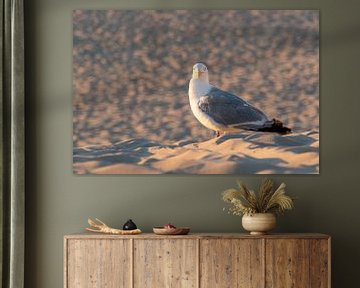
98,263
320,263
231,263
287,263
170,263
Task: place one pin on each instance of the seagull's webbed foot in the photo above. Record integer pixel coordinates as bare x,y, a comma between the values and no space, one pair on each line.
217,133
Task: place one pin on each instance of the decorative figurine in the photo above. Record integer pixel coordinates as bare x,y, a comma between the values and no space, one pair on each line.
129,225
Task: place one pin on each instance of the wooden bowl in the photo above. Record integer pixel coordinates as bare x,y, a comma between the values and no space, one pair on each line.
171,231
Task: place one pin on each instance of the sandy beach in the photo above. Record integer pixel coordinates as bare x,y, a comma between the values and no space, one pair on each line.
242,153
131,70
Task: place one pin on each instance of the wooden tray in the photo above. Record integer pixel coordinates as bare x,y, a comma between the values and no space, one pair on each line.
171,231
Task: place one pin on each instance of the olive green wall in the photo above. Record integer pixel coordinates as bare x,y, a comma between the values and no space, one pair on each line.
59,202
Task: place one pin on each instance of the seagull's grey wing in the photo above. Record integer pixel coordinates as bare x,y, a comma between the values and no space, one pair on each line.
229,110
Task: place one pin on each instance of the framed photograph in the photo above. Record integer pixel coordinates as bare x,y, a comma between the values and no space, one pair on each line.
196,91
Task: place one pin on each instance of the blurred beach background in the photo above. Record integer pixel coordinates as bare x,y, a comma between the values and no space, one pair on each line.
131,71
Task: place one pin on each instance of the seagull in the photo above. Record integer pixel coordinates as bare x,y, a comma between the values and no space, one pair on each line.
222,111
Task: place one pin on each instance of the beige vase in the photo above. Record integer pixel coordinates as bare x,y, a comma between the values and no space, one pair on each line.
259,223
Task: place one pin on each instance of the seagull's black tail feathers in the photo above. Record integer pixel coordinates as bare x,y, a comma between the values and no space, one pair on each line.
275,126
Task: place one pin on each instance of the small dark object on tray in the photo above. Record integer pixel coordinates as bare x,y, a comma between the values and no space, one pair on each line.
168,226
129,225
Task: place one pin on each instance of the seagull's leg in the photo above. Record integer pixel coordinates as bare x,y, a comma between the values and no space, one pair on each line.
217,133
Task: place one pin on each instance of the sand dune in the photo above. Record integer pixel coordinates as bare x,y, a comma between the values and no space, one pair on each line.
241,153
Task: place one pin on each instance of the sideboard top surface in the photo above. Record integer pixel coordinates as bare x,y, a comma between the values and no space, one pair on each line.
86,235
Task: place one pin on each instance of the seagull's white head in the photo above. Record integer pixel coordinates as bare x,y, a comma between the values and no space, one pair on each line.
200,71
